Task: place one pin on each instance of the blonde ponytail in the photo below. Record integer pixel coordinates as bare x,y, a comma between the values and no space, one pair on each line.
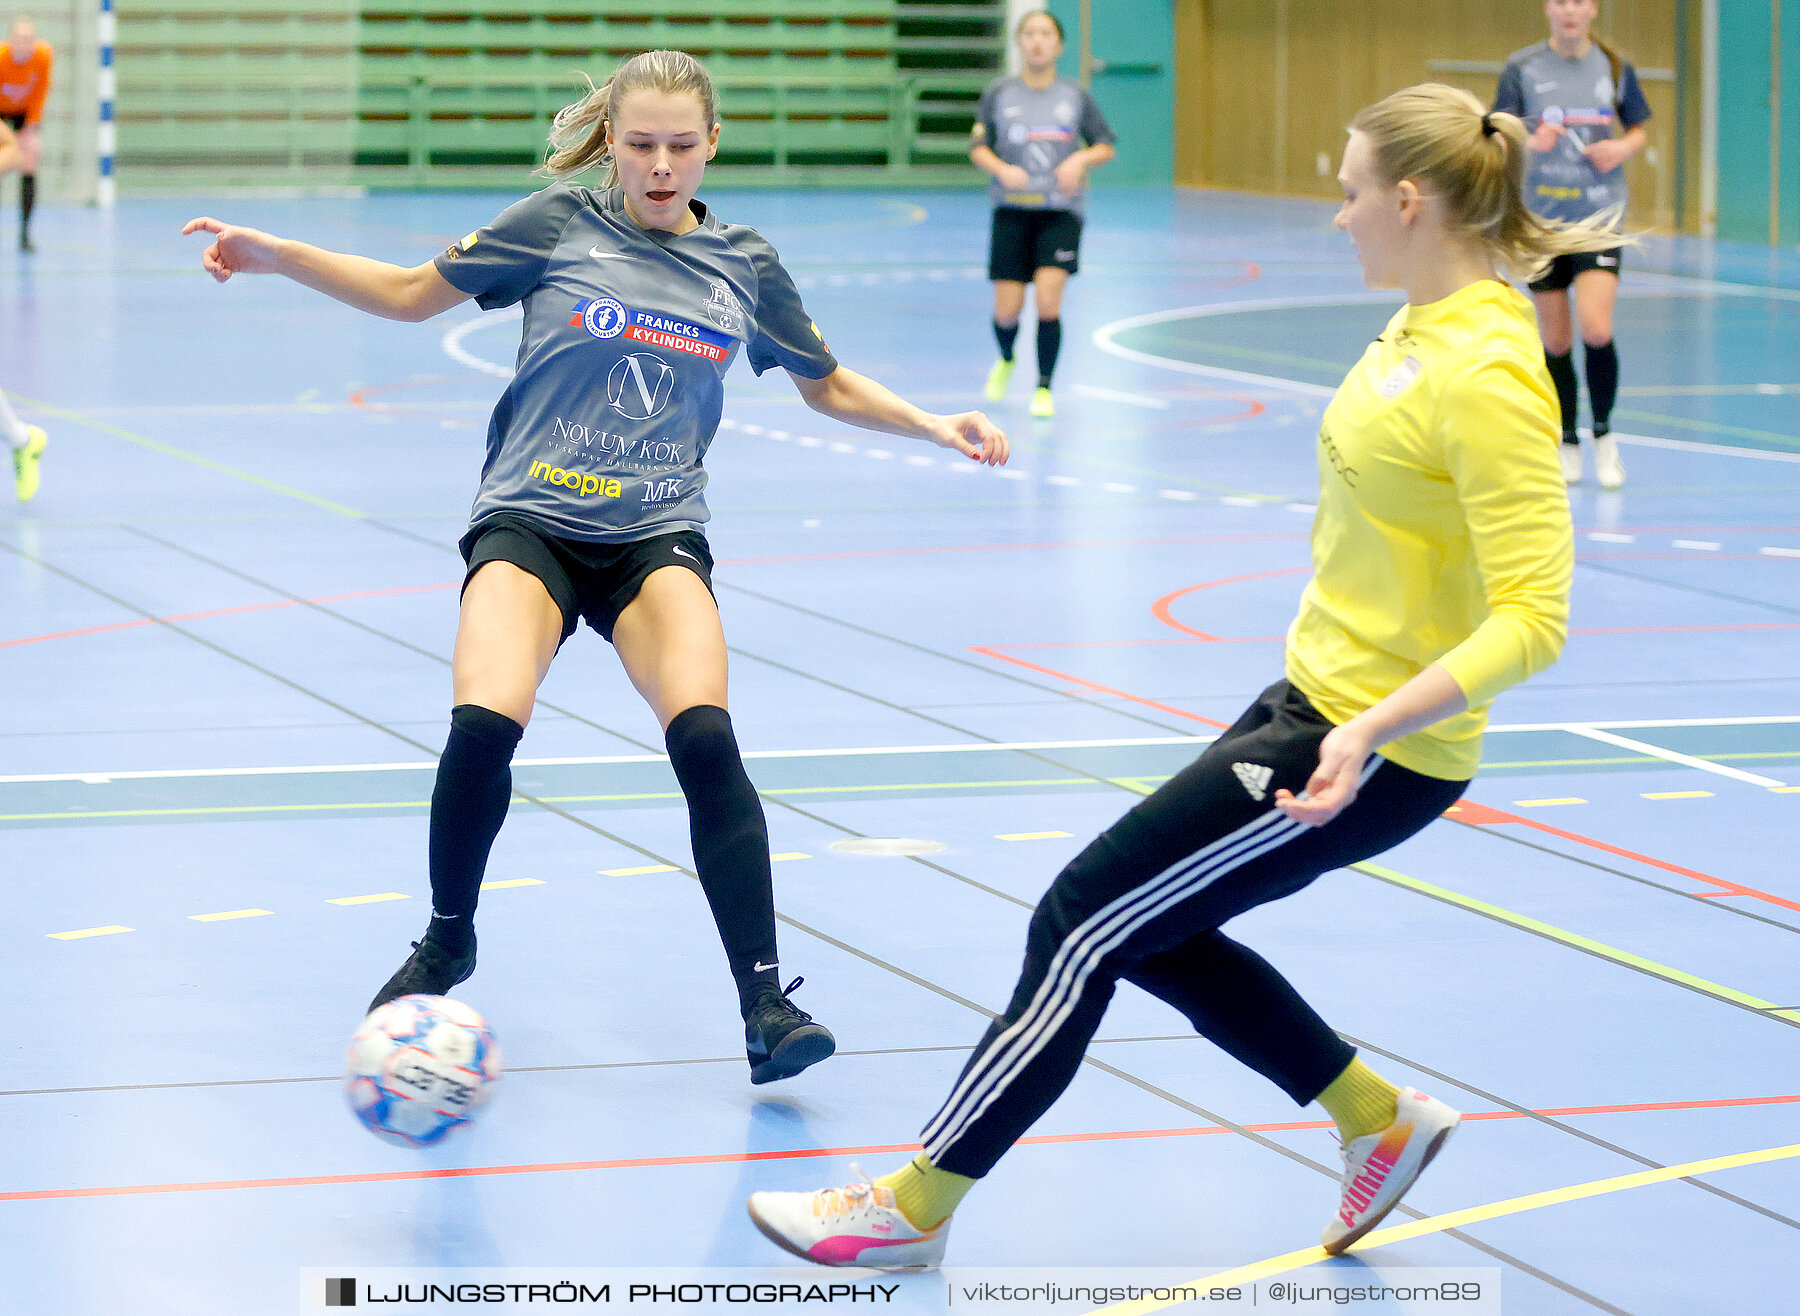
578,136
1446,142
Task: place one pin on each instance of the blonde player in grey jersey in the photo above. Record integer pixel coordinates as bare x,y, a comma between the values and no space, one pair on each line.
1029,134
26,441
637,299
1573,91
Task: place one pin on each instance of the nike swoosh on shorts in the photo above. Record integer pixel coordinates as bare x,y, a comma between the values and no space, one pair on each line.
677,548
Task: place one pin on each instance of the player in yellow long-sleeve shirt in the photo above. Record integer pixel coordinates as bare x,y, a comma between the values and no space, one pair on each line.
26,442
1442,556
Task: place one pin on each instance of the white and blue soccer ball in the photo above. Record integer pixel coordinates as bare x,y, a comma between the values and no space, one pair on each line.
420,1067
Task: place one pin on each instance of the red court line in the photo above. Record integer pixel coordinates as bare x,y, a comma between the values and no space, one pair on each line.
1160,609
811,1153
1475,814
226,612
993,652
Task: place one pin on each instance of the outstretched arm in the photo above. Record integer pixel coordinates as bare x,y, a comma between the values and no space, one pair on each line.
858,400
393,292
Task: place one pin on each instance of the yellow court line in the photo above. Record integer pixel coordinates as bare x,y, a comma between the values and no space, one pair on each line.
511,882
1032,836
230,913
106,931
170,450
1539,804
1679,795
791,854
1437,1224
639,872
367,900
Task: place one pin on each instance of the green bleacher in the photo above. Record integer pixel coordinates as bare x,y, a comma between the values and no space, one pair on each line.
838,92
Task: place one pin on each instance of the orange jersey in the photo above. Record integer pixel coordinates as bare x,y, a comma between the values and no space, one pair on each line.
23,87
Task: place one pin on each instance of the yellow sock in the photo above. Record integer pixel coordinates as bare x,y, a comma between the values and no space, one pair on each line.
925,1194
1360,1100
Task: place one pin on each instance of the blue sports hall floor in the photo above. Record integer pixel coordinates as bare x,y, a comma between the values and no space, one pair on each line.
225,626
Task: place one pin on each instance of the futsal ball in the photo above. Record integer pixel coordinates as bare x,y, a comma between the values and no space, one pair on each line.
419,1069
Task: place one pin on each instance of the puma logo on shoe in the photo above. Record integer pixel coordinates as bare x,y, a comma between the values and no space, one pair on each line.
1254,777
1361,1191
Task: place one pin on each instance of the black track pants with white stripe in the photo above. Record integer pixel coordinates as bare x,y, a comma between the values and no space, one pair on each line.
1145,903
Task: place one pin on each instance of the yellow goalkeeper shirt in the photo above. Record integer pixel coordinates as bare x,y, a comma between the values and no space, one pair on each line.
1442,534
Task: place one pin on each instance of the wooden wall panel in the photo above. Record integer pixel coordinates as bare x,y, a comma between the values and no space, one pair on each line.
1265,87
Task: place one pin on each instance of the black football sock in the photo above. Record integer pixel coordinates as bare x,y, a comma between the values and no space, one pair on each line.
468,804
731,842
1562,374
1602,364
1049,345
1006,335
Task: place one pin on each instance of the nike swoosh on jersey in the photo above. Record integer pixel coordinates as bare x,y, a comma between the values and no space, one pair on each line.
597,254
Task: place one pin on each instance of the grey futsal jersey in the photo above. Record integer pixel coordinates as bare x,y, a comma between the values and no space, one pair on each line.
1037,129
620,376
1578,96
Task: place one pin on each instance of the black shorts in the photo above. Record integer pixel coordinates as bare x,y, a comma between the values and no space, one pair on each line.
1025,241
591,582
1563,269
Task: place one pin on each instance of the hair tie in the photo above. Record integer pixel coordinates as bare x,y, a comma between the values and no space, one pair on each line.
1487,125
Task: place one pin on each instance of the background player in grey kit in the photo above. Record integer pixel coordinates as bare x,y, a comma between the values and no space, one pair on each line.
637,299
1025,135
1571,91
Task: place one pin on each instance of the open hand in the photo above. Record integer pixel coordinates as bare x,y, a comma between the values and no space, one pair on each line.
235,250
1070,175
973,435
1546,137
1607,154
1013,178
1333,784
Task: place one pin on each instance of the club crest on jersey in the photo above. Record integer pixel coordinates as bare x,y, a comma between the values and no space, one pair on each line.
1400,378
724,307
603,317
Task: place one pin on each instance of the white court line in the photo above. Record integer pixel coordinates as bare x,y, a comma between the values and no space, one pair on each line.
1103,338
452,342
1671,756
866,751
1113,395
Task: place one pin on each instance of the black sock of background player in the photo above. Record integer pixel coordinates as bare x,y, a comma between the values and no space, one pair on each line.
1602,364
731,842
1006,335
27,199
468,804
1049,345
1562,374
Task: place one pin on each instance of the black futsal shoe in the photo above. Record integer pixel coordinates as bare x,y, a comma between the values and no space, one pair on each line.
429,971
25,243
779,1040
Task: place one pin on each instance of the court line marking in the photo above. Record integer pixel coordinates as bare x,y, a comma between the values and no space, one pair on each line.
816,1153
1456,1219
1472,813
1574,940
1673,756
170,450
229,914
79,933
851,751
1105,339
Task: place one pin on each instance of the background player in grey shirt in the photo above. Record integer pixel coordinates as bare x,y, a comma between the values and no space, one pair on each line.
1572,91
1025,135
636,299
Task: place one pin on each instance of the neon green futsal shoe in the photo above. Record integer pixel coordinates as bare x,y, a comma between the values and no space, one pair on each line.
1043,406
998,378
25,462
